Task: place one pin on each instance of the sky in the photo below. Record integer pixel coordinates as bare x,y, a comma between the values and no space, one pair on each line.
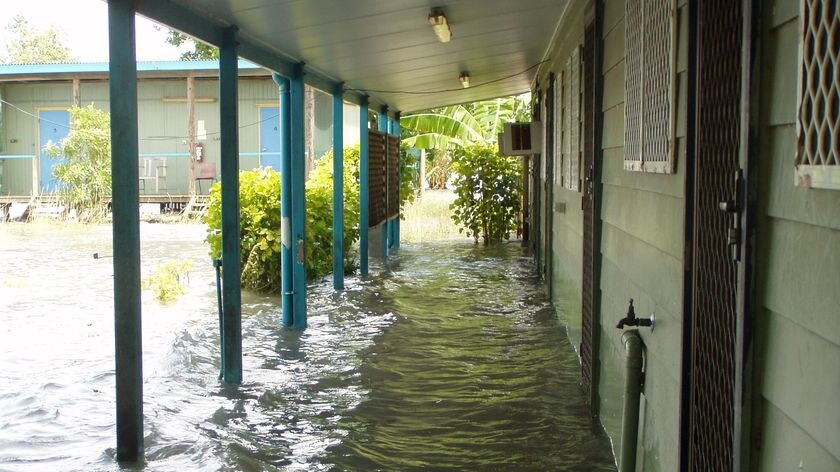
84,28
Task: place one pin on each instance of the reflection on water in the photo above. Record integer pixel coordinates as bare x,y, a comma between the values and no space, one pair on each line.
451,359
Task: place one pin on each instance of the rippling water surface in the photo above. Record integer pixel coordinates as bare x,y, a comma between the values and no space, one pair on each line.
449,359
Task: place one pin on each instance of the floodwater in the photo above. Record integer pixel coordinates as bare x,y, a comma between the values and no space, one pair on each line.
450,359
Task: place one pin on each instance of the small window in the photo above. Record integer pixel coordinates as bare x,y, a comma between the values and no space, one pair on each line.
573,117
817,127
558,128
649,85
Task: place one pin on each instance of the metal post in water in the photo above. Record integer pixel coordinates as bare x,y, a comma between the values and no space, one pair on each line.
395,240
229,146
383,127
298,188
286,277
338,187
126,231
217,268
364,201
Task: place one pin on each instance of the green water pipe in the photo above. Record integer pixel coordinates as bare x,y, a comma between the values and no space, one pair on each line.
287,302
633,347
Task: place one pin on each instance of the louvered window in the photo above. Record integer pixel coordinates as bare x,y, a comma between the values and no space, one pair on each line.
573,118
567,123
817,130
649,85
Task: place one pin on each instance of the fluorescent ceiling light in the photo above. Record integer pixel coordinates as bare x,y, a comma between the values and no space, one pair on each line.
465,79
440,26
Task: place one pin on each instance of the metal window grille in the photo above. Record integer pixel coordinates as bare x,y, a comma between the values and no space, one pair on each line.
377,178
650,85
559,127
573,147
567,121
817,127
393,174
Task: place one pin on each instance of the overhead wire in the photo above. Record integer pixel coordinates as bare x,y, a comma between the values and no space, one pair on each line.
457,89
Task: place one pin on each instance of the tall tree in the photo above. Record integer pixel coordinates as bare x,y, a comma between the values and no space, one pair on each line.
200,51
30,46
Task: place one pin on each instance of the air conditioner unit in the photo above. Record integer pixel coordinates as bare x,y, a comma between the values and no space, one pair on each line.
520,139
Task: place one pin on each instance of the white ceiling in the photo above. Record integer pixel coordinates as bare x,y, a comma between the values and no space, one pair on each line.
379,46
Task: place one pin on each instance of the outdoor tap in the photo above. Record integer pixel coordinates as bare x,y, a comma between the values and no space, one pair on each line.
631,320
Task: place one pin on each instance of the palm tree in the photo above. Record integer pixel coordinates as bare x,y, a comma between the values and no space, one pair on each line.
462,125
442,130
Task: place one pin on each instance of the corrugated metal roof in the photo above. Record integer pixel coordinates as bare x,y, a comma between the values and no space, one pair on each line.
386,49
10,72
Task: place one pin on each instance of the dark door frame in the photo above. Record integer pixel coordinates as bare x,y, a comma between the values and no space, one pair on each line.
592,190
549,185
746,201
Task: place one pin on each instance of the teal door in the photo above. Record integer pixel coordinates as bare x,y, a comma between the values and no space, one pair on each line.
53,126
270,137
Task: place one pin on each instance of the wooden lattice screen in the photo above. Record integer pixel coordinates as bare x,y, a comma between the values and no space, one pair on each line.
377,178
649,85
818,129
393,183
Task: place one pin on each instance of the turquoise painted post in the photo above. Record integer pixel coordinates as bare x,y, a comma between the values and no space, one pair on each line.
298,187
126,232
338,187
364,204
229,146
383,127
395,239
286,263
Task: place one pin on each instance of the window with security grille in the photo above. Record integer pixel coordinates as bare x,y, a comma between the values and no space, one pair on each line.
649,85
559,127
572,98
817,130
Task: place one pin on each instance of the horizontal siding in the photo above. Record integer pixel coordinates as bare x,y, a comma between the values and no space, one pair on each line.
786,447
797,421
801,374
642,247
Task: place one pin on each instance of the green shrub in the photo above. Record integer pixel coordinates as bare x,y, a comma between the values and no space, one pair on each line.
85,174
488,188
168,280
259,194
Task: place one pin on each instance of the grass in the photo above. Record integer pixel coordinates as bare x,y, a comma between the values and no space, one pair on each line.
428,218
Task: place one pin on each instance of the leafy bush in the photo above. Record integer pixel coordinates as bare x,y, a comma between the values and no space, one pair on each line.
259,193
408,177
86,170
259,220
488,188
319,203
167,281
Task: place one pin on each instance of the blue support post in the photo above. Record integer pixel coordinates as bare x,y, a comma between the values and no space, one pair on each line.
286,262
364,181
383,127
395,234
298,187
126,232
338,187
229,147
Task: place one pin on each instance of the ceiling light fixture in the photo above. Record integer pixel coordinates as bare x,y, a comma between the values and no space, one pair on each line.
440,26
465,79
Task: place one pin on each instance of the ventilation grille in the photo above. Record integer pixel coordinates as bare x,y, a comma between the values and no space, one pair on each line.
649,84
817,131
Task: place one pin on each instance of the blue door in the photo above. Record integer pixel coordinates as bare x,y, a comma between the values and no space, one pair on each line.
53,126
270,137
